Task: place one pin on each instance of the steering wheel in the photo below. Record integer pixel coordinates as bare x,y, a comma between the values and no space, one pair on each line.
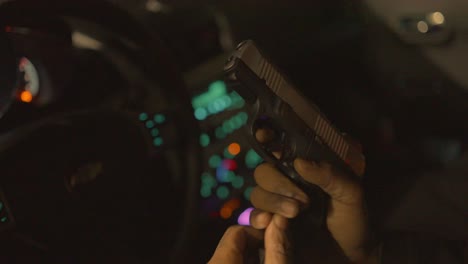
87,181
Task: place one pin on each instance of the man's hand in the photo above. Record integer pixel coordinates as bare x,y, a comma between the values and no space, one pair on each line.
276,194
240,244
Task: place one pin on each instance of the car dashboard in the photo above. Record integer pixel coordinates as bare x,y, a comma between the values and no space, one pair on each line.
199,38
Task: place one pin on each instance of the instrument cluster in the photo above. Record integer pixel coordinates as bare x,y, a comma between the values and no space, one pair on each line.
229,161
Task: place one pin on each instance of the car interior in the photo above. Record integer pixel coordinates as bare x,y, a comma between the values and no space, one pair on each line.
121,142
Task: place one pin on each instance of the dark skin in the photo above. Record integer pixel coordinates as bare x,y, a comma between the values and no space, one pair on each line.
239,244
275,197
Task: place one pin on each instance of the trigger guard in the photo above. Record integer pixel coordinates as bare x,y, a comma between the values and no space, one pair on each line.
272,146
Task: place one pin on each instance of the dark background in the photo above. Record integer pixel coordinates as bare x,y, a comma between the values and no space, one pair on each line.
408,115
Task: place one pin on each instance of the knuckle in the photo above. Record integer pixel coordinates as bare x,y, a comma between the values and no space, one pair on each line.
255,196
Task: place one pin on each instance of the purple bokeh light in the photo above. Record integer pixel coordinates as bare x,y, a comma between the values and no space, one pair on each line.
244,217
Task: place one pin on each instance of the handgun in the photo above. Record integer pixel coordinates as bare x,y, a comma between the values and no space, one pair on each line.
301,130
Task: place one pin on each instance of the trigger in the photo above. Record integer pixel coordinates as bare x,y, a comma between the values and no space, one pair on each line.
273,146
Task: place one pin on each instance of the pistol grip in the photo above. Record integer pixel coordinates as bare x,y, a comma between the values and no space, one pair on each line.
315,214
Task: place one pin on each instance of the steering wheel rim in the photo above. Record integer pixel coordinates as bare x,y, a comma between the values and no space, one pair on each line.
165,74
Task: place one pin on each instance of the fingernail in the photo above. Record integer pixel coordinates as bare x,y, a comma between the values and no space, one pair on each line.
289,208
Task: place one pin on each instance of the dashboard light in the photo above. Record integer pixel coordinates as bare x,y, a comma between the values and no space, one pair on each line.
217,107
222,174
227,127
143,116
154,132
204,140
238,182
217,88
205,191
158,141
222,192
149,124
234,149
3,219
159,118
229,164
225,212
208,180
229,207
252,159
26,96
227,101
236,122
243,116
214,161
201,114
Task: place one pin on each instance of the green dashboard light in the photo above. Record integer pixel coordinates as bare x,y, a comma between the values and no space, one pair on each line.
208,180
227,101
211,109
238,182
237,100
205,191
215,90
158,141
3,219
204,140
222,103
243,117
247,193
154,132
230,176
252,159
227,127
236,121
214,161
159,118
217,107
222,192
143,116
201,114
149,124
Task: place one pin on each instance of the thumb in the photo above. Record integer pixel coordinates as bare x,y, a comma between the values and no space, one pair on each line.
337,184
235,245
277,244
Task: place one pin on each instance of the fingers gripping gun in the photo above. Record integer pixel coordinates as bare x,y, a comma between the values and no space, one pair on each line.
301,130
